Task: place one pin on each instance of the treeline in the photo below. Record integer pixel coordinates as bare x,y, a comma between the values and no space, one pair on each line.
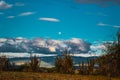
6,65
107,64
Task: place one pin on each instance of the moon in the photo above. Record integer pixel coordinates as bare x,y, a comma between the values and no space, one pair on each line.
59,33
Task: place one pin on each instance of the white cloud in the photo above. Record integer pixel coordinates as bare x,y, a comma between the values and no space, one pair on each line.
52,49
4,5
102,24
49,19
96,47
11,17
11,55
26,13
40,45
78,45
84,55
76,40
108,25
2,40
19,4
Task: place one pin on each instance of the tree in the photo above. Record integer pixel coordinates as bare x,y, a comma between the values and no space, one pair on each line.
34,64
109,64
91,66
64,63
4,63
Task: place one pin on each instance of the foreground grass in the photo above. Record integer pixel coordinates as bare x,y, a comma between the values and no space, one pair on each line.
49,76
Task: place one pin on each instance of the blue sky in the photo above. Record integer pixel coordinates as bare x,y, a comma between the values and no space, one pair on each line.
93,20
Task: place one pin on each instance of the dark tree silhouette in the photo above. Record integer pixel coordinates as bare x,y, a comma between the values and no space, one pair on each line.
4,63
109,64
34,64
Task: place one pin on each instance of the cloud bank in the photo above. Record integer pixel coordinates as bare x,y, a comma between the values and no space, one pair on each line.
40,45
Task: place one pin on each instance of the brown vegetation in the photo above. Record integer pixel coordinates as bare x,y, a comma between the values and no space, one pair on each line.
64,63
4,63
109,64
49,76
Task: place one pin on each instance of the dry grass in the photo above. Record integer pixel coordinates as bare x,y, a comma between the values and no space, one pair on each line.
49,76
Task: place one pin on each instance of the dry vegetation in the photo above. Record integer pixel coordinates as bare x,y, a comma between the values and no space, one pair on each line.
49,76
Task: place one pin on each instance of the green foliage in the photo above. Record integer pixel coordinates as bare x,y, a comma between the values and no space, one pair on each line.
64,63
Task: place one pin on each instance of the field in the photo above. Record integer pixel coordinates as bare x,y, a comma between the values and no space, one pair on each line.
49,76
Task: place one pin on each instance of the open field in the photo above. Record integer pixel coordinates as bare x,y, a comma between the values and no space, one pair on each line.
49,76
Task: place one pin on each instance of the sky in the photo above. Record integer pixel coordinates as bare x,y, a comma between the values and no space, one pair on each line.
91,20
48,26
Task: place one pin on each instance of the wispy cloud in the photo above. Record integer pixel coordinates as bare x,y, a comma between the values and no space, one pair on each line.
49,19
4,5
19,4
103,24
108,25
22,14
96,14
26,13
116,26
10,17
101,14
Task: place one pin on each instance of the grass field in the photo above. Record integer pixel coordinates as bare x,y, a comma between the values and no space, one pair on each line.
49,76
